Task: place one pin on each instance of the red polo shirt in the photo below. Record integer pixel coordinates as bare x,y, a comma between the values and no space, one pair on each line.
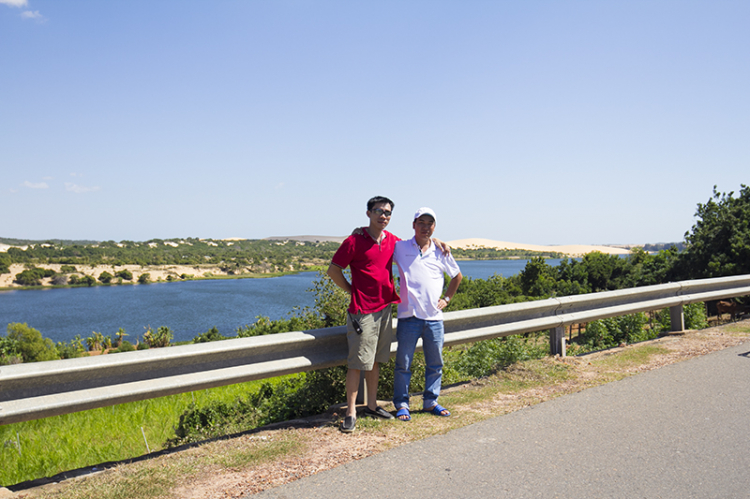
371,265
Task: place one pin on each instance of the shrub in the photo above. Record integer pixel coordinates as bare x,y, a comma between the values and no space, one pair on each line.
125,346
30,344
67,269
95,342
608,333
71,349
10,352
124,274
210,335
158,339
484,357
105,277
29,277
144,278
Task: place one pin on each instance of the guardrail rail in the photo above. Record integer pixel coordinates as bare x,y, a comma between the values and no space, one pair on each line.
43,389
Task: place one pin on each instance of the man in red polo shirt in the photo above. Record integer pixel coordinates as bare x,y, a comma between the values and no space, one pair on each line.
369,255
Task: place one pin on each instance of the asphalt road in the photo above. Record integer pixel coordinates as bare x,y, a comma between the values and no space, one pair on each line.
681,431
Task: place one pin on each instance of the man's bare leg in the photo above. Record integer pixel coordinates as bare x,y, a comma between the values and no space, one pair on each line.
352,390
371,378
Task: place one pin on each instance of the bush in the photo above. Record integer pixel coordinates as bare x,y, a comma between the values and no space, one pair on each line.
158,339
67,269
30,344
125,346
71,349
210,335
124,274
5,262
29,277
105,277
611,332
10,352
144,278
485,357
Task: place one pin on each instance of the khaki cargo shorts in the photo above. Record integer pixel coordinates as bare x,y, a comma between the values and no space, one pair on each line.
374,344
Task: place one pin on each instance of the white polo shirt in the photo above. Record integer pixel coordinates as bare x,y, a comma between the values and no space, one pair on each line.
422,279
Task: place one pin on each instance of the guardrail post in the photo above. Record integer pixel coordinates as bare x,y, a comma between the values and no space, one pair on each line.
362,390
557,341
677,318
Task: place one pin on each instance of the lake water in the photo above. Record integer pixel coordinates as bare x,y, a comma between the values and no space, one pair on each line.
188,308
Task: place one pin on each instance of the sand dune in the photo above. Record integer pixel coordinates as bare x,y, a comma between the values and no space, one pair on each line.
574,250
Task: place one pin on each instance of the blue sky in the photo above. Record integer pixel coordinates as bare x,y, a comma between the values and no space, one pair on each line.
544,122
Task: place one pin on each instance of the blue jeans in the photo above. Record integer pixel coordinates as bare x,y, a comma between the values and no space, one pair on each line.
408,333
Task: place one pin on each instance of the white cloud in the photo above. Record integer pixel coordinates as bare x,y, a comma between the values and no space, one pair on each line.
78,189
15,3
74,174
280,185
35,15
40,185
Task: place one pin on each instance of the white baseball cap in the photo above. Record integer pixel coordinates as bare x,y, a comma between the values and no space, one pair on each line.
425,211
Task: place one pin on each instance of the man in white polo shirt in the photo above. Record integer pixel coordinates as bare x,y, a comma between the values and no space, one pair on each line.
420,313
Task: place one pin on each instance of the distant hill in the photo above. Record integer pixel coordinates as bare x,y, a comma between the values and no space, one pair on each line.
574,250
25,242
307,239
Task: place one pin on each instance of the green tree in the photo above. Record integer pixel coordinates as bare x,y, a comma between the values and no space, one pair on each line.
105,277
5,262
719,242
605,272
144,278
537,278
31,345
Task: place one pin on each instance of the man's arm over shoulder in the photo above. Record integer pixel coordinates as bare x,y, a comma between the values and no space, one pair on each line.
442,246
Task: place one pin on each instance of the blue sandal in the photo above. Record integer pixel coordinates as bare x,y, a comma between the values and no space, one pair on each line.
437,410
403,412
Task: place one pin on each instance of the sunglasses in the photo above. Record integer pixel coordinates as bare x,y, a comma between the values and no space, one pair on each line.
381,211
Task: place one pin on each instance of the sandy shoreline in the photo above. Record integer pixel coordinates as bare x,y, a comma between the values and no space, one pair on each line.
157,273
574,250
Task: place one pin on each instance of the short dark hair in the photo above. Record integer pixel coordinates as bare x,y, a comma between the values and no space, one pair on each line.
377,200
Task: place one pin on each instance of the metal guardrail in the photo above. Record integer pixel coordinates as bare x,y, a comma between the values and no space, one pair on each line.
43,389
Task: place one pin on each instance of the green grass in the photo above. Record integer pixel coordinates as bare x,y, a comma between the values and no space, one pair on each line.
630,357
46,447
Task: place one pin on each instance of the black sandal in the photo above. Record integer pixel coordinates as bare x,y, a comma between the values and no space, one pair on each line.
379,412
348,424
